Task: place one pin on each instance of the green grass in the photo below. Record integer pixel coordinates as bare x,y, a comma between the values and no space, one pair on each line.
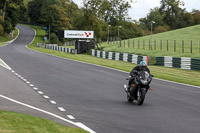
7,38
172,74
20,123
186,34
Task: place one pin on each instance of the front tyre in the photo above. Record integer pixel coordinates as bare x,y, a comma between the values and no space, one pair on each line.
141,96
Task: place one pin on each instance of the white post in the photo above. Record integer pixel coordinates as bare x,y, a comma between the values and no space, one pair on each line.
49,33
151,33
118,35
108,34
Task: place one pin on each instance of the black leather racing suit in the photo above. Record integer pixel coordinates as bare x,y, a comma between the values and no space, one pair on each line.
132,74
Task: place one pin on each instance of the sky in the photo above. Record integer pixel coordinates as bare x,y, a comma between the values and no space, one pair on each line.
142,7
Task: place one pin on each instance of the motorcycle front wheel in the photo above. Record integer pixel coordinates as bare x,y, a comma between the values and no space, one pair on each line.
141,97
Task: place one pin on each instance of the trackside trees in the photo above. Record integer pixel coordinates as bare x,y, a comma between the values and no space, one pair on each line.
49,13
98,14
172,12
10,12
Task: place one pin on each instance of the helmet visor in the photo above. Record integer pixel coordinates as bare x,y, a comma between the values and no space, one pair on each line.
143,67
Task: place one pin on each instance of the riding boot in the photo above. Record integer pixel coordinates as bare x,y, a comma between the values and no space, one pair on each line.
128,88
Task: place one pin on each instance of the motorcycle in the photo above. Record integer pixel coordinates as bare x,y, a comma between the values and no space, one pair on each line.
139,87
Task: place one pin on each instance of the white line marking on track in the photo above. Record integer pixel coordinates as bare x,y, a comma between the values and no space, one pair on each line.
40,110
49,113
71,117
40,92
33,37
53,102
35,88
45,96
3,64
61,109
31,85
84,127
28,82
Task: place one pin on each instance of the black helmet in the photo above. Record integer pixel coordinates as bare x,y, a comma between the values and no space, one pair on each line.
143,65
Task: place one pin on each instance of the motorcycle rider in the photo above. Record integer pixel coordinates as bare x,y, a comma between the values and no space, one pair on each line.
141,67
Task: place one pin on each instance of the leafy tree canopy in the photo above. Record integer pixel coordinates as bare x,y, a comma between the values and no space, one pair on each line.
10,12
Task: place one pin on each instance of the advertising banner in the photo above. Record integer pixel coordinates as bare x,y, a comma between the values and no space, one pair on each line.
78,34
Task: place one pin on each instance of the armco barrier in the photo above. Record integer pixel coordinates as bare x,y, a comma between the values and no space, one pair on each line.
60,48
136,59
176,62
179,62
39,44
160,61
195,64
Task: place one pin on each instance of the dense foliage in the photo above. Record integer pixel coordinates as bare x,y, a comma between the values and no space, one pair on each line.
96,15
11,11
170,16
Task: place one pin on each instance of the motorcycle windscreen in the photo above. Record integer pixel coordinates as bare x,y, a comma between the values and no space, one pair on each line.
144,77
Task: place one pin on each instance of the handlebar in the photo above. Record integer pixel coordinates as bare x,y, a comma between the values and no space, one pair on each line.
130,77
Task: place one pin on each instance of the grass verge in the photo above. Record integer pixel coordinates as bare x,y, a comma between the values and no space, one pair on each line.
20,123
7,38
1,44
174,38
151,53
172,74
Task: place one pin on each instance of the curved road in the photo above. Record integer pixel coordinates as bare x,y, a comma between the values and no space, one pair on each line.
95,97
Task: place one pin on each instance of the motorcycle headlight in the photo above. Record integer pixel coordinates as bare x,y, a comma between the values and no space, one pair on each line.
144,82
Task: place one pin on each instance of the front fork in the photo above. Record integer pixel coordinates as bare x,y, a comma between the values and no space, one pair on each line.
142,89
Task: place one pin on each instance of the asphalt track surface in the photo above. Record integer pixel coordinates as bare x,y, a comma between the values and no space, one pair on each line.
95,97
